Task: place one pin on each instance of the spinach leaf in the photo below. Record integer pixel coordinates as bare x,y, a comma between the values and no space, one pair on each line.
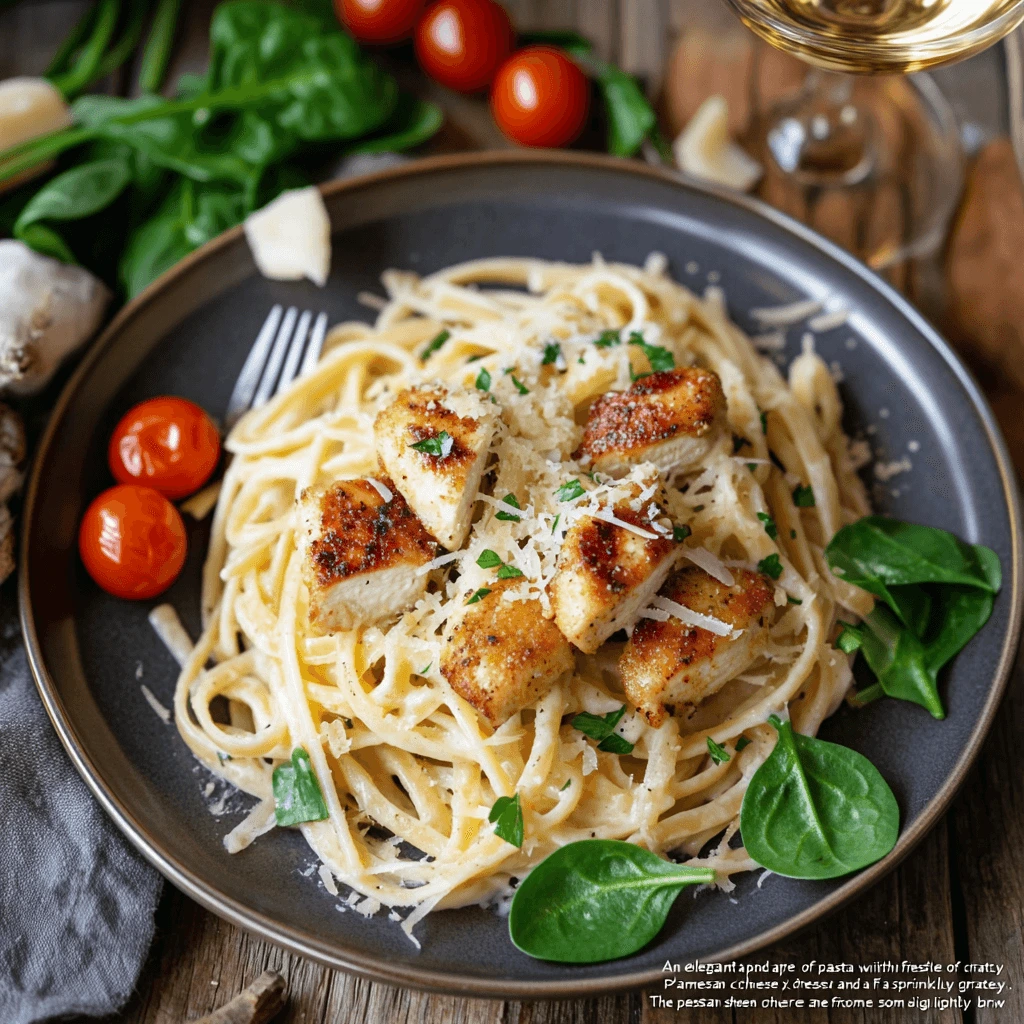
876,554
73,195
597,899
157,52
413,123
80,73
297,794
507,817
816,809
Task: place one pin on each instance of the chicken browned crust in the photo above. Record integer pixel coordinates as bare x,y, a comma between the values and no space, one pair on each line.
606,574
669,663
503,656
672,419
360,554
439,487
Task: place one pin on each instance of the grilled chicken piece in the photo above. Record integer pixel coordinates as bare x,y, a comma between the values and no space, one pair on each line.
360,554
502,656
669,663
440,488
606,575
671,418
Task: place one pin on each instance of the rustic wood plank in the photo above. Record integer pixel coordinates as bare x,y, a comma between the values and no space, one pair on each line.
988,828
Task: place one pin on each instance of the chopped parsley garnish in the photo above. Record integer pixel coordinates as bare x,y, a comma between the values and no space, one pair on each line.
552,350
434,345
764,427
509,499
483,380
634,377
680,533
507,817
793,600
570,490
297,794
607,339
803,497
602,728
770,566
738,442
850,639
741,743
752,466
476,358
223,757
478,595
717,752
492,560
565,785
769,525
661,359
554,525
439,445
426,668
520,386
792,534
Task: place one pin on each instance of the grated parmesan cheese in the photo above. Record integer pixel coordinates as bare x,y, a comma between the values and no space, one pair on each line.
328,879
162,713
711,564
164,620
786,316
384,492
691,618
256,823
202,503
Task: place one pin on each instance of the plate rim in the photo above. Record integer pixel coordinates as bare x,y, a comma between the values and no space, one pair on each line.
352,960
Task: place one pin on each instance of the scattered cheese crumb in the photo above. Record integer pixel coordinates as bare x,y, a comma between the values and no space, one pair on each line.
162,712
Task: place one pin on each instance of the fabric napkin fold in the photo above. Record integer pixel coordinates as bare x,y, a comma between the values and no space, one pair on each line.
76,901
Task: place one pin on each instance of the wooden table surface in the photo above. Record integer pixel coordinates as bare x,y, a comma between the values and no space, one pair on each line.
958,896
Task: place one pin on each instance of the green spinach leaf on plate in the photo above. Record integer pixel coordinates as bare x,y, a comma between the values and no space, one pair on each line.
816,809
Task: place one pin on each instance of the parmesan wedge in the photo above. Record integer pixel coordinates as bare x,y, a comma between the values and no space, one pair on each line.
290,238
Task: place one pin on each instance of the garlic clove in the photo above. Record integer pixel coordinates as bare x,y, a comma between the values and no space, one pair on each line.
705,150
29,107
290,238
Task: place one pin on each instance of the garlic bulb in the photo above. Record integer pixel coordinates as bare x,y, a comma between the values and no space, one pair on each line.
47,309
705,150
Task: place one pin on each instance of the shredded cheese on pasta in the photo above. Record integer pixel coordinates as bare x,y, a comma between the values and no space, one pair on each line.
408,769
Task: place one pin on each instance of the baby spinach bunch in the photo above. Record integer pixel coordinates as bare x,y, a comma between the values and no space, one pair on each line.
151,179
934,593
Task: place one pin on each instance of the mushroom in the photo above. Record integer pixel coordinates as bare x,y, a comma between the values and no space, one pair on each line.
47,309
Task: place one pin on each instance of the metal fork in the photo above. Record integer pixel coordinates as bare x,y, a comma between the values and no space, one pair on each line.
284,349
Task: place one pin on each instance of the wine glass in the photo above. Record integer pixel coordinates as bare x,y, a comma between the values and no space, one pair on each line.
828,136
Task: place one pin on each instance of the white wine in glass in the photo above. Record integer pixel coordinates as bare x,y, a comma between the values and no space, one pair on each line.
881,36
827,135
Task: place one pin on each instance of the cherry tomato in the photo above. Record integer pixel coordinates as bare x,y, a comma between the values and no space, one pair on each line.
462,43
169,444
132,541
540,97
379,21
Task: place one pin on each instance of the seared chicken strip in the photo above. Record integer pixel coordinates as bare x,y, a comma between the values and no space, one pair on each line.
502,656
671,418
606,574
670,663
440,478
360,554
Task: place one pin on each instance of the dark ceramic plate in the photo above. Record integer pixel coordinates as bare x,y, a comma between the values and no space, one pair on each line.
189,334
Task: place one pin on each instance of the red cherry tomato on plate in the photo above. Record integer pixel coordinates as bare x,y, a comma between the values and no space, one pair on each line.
169,444
132,541
462,43
379,21
540,97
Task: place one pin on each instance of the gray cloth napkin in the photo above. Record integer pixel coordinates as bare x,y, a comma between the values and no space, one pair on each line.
76,901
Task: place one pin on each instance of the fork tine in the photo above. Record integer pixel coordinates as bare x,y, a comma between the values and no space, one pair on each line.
277,354
316,344
249,378
291,364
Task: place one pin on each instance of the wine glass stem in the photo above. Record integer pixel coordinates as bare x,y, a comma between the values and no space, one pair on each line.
821,136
